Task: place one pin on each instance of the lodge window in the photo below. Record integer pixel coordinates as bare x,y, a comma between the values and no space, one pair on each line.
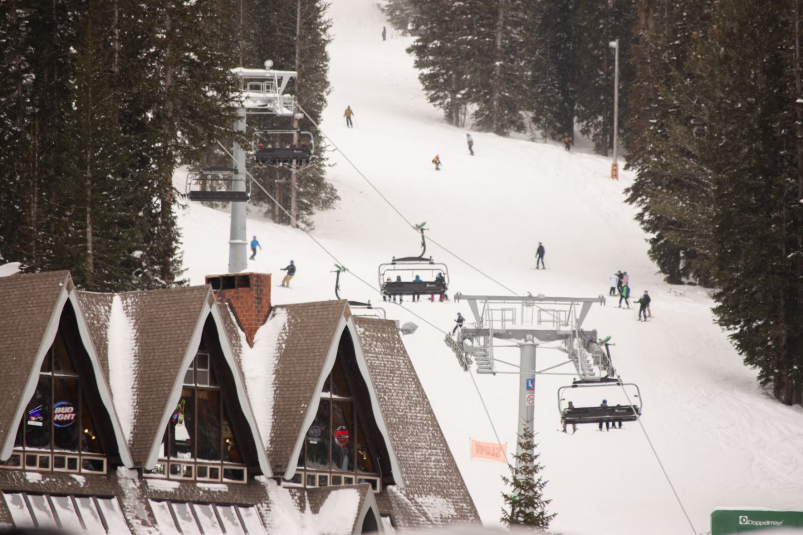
199,442
336,450
56,431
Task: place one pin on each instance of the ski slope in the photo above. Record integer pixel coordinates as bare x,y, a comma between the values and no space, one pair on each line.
722,440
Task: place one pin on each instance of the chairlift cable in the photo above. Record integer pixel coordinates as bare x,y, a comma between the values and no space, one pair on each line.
657,458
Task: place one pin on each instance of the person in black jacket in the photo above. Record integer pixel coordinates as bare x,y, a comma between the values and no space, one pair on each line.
644,305
539,256
291,271
459,321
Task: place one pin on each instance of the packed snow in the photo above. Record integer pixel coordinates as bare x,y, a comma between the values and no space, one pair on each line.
722,439
122,350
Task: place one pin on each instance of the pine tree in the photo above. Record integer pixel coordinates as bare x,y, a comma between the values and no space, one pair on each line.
400,14
526,505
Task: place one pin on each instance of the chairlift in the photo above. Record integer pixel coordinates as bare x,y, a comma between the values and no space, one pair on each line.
356,304
209,177
597,414
397,278
278,154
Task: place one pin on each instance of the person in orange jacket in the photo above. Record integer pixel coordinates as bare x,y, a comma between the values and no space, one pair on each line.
437,161
348,116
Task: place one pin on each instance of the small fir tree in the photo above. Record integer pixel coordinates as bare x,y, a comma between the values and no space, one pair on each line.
526,503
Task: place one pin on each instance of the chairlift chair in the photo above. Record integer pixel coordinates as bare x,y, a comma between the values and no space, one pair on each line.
410,266
197,180
275,154
597,414
357,304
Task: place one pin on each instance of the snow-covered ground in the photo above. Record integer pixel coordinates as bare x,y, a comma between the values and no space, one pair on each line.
723,441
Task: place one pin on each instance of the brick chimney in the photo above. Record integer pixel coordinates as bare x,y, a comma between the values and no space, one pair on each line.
248,297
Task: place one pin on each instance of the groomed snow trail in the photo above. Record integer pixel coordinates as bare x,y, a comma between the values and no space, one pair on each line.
722,440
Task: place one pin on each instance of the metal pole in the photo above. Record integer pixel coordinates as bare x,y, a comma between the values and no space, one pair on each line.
238,246
526,389
293,178
615,170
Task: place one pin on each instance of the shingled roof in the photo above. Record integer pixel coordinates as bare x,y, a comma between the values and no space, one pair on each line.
26,311
434,491
283,367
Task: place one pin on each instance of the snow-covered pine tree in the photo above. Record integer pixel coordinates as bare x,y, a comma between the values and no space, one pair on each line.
525,506
399,14
599,23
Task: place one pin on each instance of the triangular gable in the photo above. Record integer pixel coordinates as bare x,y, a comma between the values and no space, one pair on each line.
50,299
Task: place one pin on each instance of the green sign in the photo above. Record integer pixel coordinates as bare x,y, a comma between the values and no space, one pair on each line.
725,522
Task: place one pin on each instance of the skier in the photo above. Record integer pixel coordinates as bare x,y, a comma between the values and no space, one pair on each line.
625,278
470,144
437,161
644,304
624,294
459,321
348,114
384,33
574,425
614,285
607,423
291,271
619,283
254,245
567,141
539,256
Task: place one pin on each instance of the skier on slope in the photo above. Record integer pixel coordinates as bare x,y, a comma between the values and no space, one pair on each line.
539,256
644,304
619,282
348,114
254,245
291,271
437,161
470,144
625,278
624,294
384,33
567,141
614,285
459,321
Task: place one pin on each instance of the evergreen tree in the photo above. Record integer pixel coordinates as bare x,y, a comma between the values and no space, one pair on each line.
525,504
400,14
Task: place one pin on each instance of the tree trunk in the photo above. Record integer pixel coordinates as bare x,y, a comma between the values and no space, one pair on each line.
496,83
167,201
90,260
799,150
116,44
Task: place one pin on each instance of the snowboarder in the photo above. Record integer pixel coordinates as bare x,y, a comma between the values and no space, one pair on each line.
644,304
459,321
348,114
607,423
574,425
624,294
567,141
470,144
437,161
254,245
384,33
614,285
291,271
539,256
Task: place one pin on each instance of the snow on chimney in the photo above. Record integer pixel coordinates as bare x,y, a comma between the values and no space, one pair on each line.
248,297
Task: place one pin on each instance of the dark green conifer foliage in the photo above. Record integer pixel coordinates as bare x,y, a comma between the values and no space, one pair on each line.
525,506
400,14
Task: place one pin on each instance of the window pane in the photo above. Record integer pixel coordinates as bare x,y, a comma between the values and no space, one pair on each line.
48,360
189,377
20,431
229,518
208,425
327,385
66,513
365,461
42,511
19,510
89,514
114,517
182,426
202,361
202,377
343,441
65,414
37,416
339,385
89,439
318,439
161,510
234,474
208,519
185,519
231,453
62,364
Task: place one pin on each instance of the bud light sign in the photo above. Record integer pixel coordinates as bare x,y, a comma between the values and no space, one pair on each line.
63,414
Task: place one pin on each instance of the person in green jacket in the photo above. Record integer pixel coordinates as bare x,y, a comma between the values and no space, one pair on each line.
624,294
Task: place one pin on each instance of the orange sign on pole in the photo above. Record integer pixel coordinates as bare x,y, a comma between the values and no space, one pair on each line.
615,171
489,450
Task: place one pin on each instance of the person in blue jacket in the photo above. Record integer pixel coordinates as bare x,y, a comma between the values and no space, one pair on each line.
291,271
254,245
539,256
417,297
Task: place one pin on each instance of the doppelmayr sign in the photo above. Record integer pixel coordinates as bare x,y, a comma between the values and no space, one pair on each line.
728,521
